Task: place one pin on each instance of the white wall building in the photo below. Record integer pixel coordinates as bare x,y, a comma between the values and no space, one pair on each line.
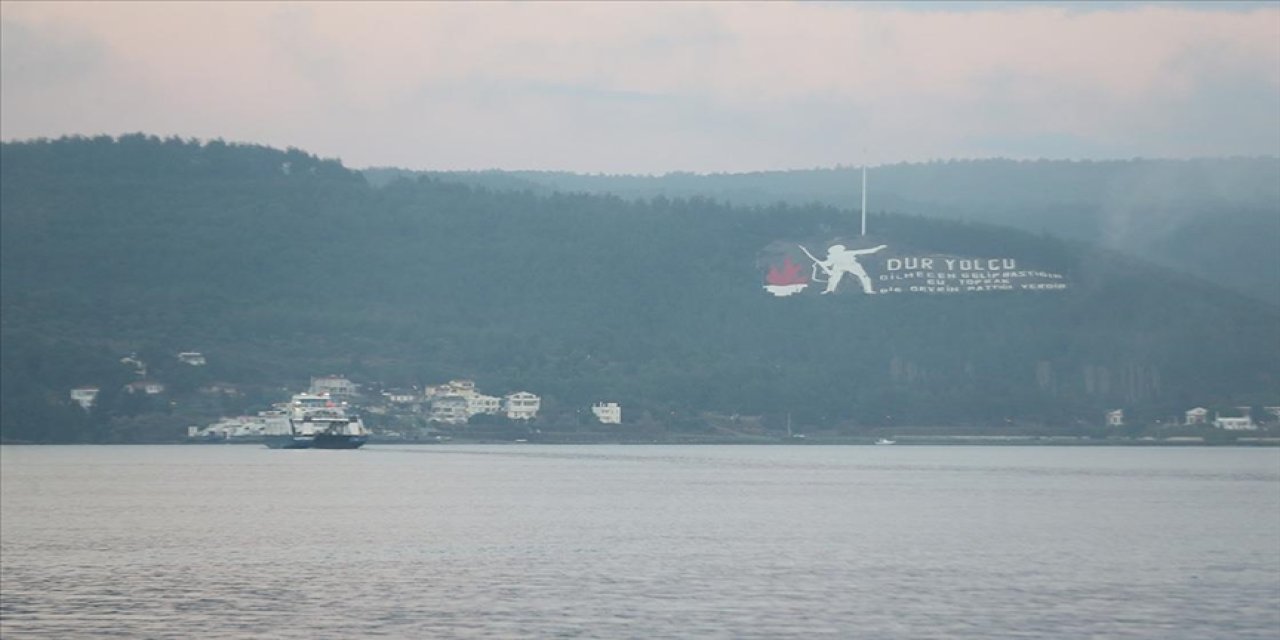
193,358
84,396
1198,415
478,403
401,396
149,387
522,405
220,389
449,410
1115,418
464,388
336,386
1235,424
132,360
607,412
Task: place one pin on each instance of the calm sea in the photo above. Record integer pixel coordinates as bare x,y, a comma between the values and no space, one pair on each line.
639,542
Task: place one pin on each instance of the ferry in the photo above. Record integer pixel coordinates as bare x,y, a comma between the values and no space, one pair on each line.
316,421
242,428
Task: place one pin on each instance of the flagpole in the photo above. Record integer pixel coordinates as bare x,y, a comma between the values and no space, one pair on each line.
864,199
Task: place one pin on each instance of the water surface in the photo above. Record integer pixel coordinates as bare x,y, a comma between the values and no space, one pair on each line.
640,542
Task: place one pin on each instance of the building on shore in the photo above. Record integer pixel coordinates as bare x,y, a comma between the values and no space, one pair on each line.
480,404
85,396
193,358
607,412
338,387
149,387
1241,423
522,405
464,388
401,396
132,360
449,410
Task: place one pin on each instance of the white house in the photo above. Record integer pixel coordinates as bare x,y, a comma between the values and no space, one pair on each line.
220,389
607,412
464,388
132,360
522,405
449,410
1115,418
335,386
84,396
1235,424
1198,415
149,387
193,358
400,396
478,403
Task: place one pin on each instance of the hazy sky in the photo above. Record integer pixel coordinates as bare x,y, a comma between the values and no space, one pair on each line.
638,87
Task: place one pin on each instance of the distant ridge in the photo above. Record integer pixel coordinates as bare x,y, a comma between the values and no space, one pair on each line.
1183,214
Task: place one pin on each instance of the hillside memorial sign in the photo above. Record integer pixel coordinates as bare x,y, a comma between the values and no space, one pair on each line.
837,267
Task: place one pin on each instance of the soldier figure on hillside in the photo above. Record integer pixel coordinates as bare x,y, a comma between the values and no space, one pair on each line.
839,262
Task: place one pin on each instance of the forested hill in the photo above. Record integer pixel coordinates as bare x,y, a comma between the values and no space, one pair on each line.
278,266
1217,219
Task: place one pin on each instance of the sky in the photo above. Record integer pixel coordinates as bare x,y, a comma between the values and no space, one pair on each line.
636,87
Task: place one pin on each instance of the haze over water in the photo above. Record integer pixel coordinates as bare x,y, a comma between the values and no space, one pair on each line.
661,541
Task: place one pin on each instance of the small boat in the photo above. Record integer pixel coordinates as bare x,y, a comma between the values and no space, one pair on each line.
886,441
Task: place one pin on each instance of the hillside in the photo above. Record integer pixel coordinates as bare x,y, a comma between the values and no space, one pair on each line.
278,265
1217,219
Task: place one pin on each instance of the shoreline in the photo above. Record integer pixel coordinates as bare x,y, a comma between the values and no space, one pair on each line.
907,441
